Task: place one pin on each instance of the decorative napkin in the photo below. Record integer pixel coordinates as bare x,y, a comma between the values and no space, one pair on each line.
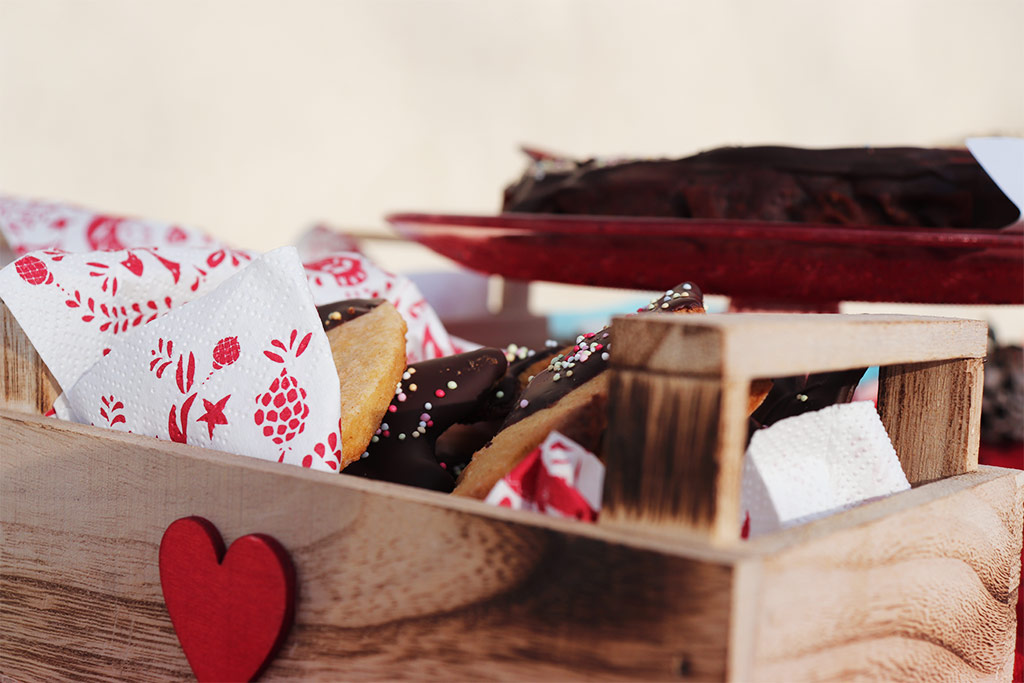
75,307
560,478
335,267
818,463
245,369
28,225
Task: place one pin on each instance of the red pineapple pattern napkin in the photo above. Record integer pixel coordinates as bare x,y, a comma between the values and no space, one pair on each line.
336,270
75,308
245,369
29,225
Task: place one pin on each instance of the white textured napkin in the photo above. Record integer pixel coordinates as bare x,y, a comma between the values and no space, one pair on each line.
812,465
245,369
75,308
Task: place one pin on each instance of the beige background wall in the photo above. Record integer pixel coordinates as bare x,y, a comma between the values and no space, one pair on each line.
253,118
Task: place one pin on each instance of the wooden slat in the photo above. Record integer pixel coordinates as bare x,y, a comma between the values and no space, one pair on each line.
922,589
393,582
25,383
753,345
674,452
932,412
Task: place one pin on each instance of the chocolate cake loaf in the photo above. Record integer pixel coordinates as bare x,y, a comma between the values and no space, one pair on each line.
900,186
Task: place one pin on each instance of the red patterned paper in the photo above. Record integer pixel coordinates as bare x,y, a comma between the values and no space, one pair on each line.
246,369
559,478
75,307
28,225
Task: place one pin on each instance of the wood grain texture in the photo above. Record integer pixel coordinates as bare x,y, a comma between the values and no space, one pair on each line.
755,345
932,412
393,582
674,453
25,382
922,589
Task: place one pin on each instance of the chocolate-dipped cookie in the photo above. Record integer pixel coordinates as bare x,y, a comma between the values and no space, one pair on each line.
431,396
569,396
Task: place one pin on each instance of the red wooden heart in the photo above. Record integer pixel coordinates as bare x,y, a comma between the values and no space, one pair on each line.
231,616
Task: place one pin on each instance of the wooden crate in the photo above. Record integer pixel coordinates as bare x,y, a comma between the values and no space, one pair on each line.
396,582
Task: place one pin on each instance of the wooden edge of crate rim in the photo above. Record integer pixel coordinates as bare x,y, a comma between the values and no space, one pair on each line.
757,345
676,543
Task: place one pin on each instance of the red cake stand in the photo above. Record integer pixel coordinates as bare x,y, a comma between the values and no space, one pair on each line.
760,264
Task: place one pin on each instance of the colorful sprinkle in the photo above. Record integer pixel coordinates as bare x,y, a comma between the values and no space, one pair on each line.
439,393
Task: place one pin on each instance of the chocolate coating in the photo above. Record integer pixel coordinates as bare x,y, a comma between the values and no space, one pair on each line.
432,396
588,357
792,396
332,315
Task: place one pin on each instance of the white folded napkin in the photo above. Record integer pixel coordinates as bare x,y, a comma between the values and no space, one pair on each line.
818,463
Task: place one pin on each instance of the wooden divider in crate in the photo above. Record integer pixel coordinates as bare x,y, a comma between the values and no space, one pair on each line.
395,582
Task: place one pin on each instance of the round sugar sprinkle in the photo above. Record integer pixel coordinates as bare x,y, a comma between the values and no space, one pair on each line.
499,394
413,387
401,437
452,385
439,393
524,403
406,375
605,356
428,405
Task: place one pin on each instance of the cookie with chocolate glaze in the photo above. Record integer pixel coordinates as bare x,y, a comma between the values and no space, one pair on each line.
456,446
367,339
432,396
569,395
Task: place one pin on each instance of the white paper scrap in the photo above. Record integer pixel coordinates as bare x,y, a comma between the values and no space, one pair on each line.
812,465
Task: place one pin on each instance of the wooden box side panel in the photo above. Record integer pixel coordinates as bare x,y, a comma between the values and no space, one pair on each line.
923,593
390,586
